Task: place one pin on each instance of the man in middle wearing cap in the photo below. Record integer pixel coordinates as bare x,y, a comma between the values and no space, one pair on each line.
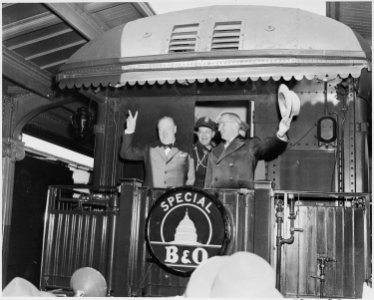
232,163
205,130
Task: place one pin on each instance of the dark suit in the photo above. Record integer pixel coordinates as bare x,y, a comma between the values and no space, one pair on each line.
234,167
171,170
200,156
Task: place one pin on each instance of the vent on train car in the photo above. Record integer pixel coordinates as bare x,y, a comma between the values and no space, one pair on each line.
226,36
183,38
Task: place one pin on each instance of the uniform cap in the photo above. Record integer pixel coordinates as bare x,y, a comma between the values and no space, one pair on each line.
206,122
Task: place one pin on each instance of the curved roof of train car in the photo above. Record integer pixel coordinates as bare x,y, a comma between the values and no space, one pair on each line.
219,43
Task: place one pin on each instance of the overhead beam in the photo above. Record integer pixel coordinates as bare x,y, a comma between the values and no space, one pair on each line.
144,9
16,90
79,19
31,77
22,42
56,49
4,5
55,63
30,24
25,118
26,74
92,95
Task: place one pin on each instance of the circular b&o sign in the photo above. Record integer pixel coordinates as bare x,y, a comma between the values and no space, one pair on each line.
185,227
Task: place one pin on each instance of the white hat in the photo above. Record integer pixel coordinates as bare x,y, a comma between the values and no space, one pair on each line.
242,274
20,287
288,102
201,280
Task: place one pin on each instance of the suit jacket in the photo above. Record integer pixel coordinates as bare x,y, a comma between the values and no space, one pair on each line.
234,167
161,170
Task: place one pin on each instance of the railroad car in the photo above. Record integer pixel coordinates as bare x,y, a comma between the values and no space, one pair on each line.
309,214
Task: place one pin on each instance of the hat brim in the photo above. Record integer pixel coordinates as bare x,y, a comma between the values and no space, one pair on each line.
295,104
20,287
205,125
288,102
234,275
284,101
201,280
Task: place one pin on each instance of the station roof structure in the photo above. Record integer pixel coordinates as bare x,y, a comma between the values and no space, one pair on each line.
38,38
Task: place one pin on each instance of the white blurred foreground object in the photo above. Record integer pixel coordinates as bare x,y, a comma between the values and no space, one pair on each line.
241,274
367,292
88,282
288,102
20,287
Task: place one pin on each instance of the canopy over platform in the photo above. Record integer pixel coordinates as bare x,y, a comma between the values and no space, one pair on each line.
219,43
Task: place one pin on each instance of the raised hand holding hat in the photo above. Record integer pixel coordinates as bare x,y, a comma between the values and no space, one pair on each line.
284,126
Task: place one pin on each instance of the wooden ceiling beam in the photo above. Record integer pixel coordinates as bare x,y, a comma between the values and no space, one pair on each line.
29,24
16,90
4,5
26,74
22,42
53,64
144,9
32,78
55,49
79,19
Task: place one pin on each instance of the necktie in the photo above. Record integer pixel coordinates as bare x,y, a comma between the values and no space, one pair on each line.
168,146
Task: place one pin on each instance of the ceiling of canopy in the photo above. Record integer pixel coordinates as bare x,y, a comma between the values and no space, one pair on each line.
219,43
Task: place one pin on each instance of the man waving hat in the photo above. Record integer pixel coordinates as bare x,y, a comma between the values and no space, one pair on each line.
232,163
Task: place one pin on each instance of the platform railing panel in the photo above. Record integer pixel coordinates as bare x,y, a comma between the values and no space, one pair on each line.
78,229
335,234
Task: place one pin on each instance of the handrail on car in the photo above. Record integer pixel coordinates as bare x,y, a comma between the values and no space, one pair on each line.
319,193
